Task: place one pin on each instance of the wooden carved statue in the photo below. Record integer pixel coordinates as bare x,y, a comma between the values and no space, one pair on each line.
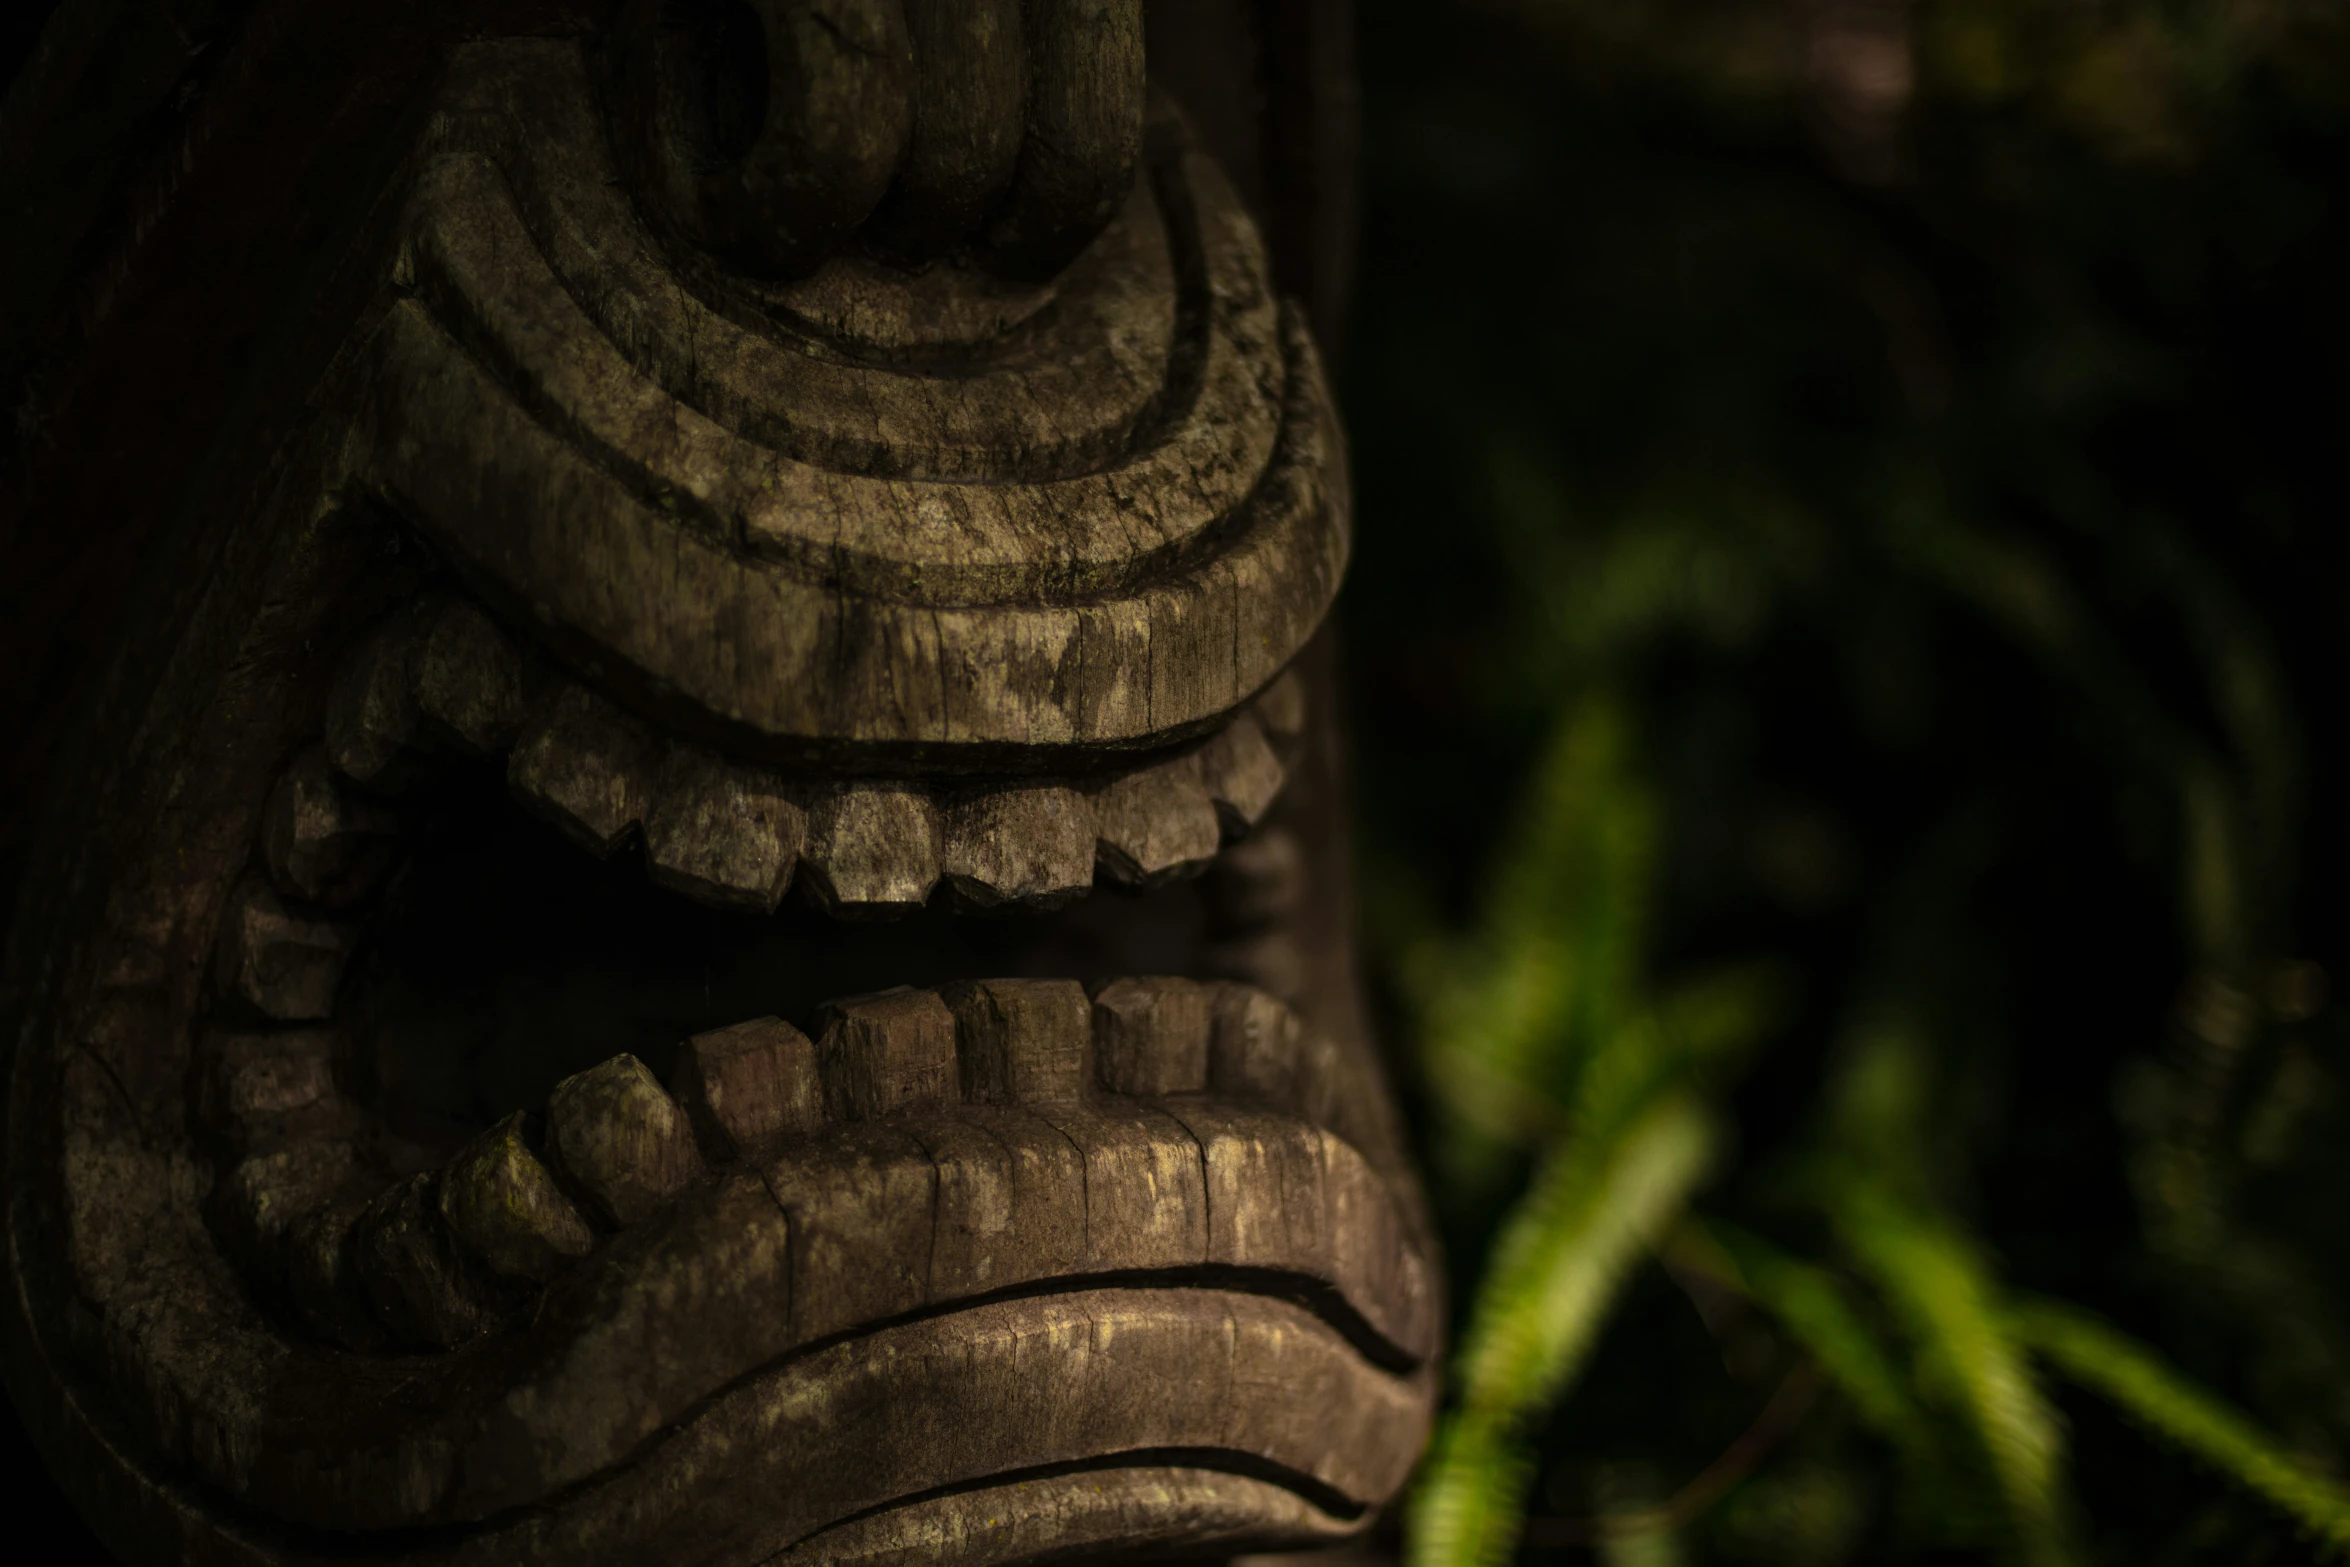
678,894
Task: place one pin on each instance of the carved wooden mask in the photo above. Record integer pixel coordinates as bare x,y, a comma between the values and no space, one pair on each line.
692,911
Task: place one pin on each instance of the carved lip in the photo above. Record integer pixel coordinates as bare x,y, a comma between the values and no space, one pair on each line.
1164,1205
962,1421
744,1347
1136,1502
790,1211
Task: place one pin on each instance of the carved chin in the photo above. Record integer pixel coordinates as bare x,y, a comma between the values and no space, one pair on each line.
738,959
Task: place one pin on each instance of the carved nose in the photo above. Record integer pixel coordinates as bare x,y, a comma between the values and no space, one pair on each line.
773,132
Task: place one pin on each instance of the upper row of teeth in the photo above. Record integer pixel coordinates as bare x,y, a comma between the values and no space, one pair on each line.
734,835
440,678
430,1259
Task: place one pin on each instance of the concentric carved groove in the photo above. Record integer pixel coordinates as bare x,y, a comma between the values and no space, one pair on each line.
1060,501
1002,387
783,602
804,661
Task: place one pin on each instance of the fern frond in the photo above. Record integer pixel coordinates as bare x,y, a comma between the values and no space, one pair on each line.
1595,1205
1469,1507
1565,1249
2143,1386
1937,1283
1812,1306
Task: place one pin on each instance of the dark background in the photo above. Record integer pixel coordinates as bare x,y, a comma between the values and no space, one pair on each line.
1925,423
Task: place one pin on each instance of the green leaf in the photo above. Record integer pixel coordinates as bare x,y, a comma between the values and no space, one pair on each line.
1811,1303
1936,1282
2137,1380
1510,1013
1566,1247
1594,1207
1470,1505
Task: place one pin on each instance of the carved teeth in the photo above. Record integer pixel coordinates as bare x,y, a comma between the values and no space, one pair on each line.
285,964
441,675
436,1259
1241,773
411,1276
322,1275
723,834
1031,845
262,1090
1151,1036
743,1085
320,842
1022,1041
264,1198
585,766
872,848
468,679
1258,881
1281,706
621,1140
503,1206
884,1052
371,713
1156,824
1252,1046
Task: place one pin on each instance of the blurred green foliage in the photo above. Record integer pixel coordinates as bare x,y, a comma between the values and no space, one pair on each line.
1851,611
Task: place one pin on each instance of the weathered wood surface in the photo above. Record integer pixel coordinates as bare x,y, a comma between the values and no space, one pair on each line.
953,567
766,565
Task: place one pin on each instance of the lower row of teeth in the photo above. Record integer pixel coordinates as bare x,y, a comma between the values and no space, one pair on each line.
439,1256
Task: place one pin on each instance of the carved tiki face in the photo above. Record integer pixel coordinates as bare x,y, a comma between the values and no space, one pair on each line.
695,915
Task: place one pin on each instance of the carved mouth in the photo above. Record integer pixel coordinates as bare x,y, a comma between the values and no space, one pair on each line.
929,1119
561,1188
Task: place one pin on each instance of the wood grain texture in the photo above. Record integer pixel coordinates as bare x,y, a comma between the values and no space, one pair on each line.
262,1090
1022,1041
504,1208
618,1138
1030,846
970,76
325,844
745,1085
1141,1509
586,767
861,546
1156,824
468,679
1151,1035
371,718
282,961
885,1052
740,571
872,848
410,1273
725,835
1085,98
